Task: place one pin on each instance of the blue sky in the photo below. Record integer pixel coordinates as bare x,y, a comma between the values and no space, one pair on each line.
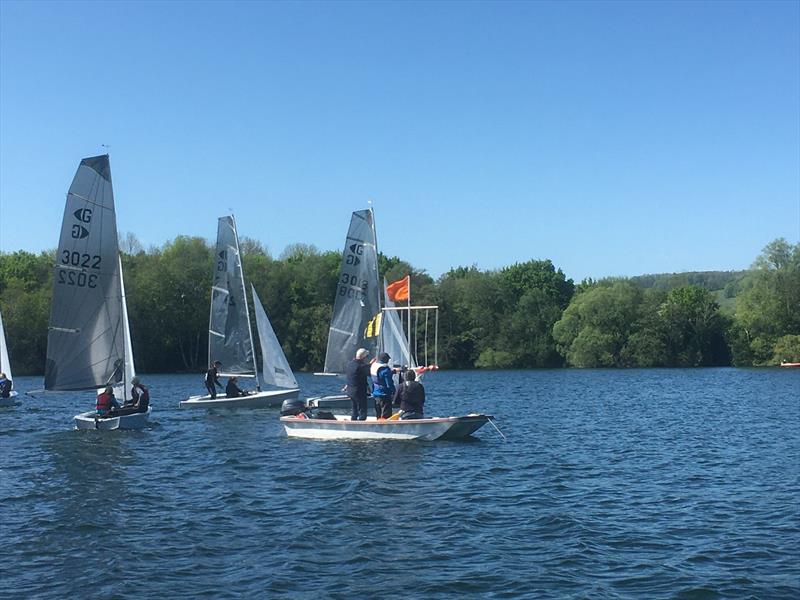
613,138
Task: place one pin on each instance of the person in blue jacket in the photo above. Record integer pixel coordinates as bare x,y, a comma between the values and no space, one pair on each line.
382,386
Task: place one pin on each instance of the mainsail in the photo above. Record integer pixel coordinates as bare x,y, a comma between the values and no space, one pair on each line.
230,339
5,362
86,337
357,295
275,368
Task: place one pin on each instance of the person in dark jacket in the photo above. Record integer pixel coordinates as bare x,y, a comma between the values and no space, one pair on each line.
411,397
382,386
140,399
234,391
212,379
5,386
357,373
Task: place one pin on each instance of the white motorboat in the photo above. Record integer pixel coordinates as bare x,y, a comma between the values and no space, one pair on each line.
343,428
230,337
89,340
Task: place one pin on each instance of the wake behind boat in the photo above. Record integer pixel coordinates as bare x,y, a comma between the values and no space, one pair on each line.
88,340
343,428
230,337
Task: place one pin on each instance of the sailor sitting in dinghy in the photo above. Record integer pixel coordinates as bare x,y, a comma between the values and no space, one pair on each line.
106,403
234,391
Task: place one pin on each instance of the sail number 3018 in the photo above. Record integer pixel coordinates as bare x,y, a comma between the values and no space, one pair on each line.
349,284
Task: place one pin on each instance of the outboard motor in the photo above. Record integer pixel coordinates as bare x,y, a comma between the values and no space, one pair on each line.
293,407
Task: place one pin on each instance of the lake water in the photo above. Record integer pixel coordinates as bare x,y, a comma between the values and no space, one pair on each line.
612,484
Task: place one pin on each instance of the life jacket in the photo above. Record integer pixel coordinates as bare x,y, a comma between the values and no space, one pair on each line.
103,404
382,384
140,395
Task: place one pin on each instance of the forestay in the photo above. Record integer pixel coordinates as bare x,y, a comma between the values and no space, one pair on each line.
86,336
275,368
230,339
357,294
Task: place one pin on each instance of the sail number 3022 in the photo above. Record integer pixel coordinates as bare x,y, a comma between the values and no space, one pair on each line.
80,260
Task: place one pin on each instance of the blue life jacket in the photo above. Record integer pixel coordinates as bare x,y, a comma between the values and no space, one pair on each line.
382,382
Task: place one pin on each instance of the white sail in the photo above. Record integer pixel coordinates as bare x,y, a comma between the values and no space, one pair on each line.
275,368
123,391
393,339
230,338
5,362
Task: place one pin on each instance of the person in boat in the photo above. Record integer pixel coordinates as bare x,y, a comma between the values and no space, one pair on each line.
140,399
106,405
5,386
234,391
410,397
212,379
357,373
382,386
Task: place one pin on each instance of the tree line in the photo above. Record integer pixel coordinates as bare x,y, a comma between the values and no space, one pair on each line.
525,315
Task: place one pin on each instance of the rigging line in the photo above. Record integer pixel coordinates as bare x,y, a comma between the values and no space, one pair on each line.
491,421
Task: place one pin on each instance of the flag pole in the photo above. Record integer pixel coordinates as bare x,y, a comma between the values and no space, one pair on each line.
409,318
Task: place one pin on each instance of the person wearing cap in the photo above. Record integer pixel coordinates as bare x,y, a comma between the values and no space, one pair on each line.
382,386
212,379
357,373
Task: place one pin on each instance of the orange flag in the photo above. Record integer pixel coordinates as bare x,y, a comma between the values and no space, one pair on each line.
398,290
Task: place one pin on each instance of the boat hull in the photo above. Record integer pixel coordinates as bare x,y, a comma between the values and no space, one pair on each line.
328,402
342,428
10,401
264,399
87,420
790,364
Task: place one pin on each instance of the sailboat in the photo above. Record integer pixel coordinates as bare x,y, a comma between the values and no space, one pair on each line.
357,304
230,337
88,340
5,366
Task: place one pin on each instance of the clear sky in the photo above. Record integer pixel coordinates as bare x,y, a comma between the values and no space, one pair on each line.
613,138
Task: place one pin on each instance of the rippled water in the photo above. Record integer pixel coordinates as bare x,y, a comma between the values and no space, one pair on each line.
613,484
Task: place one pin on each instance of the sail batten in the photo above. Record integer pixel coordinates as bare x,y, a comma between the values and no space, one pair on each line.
357,294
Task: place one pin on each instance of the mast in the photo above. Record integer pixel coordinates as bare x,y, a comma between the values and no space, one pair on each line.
244,295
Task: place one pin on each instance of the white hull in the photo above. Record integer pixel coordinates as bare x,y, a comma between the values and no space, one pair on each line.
342,428
265,399
87,420
10,401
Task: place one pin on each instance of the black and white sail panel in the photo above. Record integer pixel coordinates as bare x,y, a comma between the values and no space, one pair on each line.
86,338
357,295
230,339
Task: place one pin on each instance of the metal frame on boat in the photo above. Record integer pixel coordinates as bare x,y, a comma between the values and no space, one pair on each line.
343,428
